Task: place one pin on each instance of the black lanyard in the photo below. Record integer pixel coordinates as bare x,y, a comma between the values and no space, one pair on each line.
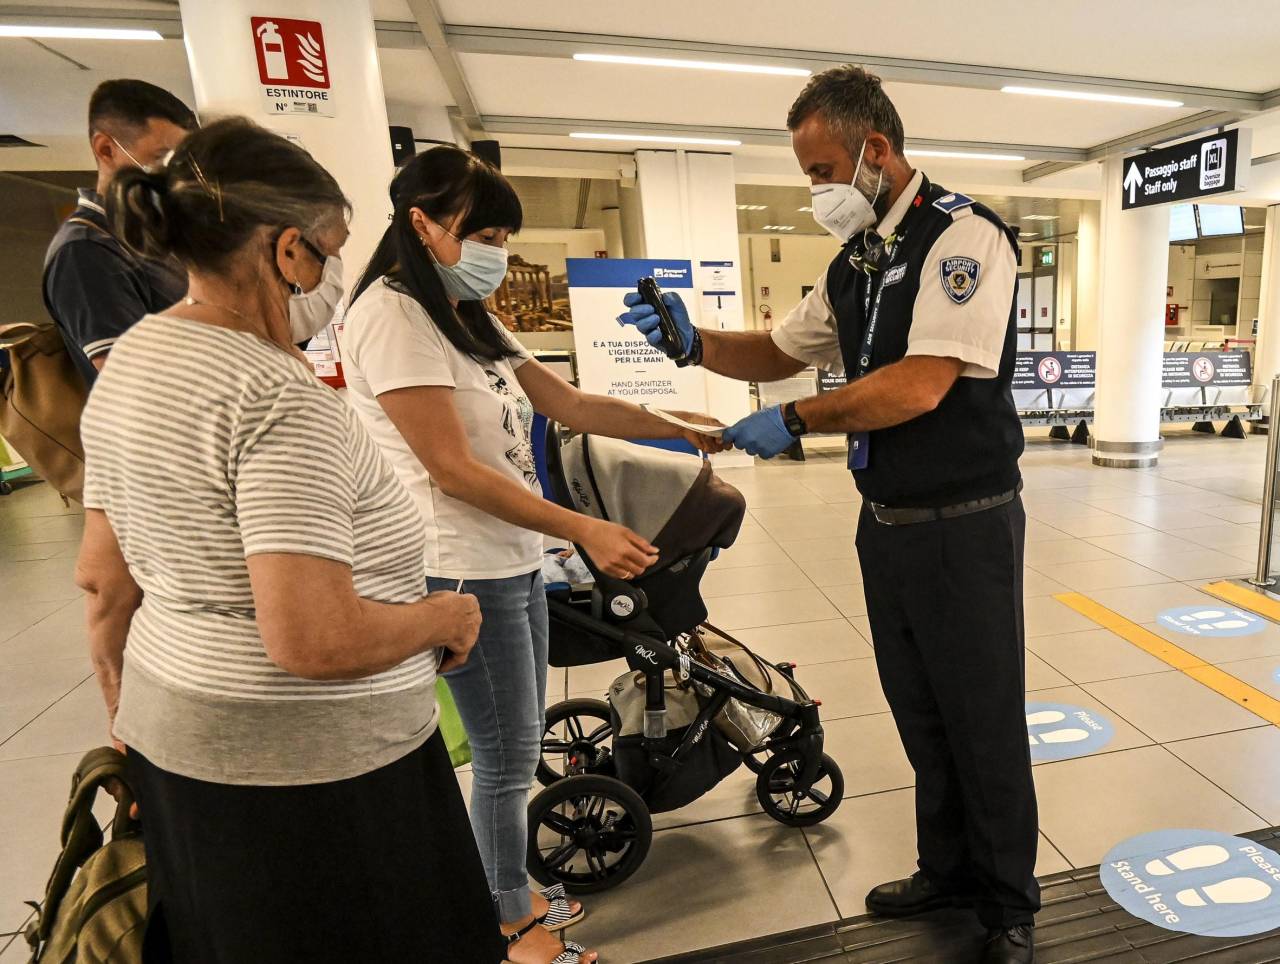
870,305
871,310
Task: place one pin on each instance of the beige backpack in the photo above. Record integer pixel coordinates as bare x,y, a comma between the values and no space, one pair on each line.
41,399
95,904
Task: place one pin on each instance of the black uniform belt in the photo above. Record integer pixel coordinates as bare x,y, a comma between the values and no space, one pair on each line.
905,517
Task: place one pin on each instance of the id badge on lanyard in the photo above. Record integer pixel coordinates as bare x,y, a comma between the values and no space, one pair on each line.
860,442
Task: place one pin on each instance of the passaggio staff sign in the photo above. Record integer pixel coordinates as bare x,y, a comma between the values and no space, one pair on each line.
1216,163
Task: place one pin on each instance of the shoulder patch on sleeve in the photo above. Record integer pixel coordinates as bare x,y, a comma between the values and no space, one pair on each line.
951,203
960,278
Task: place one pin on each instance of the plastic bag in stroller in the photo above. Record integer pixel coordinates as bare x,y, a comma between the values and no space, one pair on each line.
694,703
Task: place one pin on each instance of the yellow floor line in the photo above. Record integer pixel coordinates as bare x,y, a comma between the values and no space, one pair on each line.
1214,677
1249,599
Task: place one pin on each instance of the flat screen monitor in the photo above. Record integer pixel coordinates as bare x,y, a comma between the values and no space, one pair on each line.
1182,223
1219,219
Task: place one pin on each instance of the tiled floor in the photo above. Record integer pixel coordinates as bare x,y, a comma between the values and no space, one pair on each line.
1135,541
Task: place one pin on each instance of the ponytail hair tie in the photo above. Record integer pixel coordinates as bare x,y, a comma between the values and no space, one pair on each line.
157,188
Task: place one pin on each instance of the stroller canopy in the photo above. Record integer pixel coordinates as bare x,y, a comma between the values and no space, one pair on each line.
675,501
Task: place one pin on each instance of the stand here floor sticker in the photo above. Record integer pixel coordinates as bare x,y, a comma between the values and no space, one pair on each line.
1211,621
1060,731
1196,881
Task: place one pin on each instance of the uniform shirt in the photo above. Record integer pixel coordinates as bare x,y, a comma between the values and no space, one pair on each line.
205,446
96,290
972,332
390,342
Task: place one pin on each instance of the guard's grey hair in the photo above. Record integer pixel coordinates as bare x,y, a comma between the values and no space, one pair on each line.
853,103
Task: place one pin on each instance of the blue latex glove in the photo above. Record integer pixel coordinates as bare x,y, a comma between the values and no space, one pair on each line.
646,321
764,433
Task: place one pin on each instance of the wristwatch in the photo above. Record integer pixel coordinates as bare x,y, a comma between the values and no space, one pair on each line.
794,423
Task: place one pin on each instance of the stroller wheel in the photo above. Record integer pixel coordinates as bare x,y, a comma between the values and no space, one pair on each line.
577,739
782,800
589,833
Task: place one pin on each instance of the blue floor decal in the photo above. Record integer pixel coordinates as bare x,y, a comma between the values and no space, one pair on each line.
1060,731
1211,621
1196,881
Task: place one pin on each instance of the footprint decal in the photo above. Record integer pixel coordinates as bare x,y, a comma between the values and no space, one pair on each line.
1192,858
1058,731
1196,881
1201,621
1236,890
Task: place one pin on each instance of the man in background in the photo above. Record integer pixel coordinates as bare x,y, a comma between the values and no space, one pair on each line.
95,288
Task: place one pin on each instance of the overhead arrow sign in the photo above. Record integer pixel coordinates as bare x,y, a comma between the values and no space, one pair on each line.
1132,178
1215,163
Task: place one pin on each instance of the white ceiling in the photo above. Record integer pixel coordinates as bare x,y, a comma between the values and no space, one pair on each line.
523,86
42,97
1226,44
45,99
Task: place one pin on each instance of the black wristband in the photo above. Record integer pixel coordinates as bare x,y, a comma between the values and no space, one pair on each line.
694,356
792,419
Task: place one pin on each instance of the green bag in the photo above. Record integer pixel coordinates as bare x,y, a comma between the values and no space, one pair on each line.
95,904
455,736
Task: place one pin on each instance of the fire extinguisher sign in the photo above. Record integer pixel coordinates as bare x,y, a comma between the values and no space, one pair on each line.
293,66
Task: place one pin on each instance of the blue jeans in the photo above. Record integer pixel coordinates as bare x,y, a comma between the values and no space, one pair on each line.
501,695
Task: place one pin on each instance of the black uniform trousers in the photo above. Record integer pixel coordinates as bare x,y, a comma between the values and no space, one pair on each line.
945,604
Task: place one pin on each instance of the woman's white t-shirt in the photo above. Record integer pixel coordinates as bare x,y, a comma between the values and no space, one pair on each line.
390,342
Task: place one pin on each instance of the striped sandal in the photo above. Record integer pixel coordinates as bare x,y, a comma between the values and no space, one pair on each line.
560,914
572,953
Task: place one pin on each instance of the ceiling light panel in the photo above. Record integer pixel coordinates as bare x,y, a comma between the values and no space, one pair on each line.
678,63
656,139
1091,95
965,155
77,33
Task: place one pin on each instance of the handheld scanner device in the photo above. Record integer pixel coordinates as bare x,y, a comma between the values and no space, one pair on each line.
673,343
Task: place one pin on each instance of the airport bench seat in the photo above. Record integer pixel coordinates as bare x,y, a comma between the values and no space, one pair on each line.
1065,409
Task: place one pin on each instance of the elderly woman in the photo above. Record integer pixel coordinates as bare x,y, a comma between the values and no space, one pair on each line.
255,592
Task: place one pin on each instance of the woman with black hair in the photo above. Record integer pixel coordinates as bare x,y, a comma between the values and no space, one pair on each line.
450,395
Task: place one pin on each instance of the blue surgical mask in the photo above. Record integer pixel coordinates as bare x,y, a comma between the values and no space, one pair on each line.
477,274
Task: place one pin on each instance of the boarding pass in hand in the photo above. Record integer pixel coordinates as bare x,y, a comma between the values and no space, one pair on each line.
712,430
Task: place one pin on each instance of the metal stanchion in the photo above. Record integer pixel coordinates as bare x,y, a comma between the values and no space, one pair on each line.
1262,578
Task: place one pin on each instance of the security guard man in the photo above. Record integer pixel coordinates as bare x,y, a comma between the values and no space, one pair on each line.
918,309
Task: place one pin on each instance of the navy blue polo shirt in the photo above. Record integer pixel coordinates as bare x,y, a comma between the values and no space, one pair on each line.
96,289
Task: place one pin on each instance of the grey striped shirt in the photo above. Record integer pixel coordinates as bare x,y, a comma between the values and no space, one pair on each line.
205,446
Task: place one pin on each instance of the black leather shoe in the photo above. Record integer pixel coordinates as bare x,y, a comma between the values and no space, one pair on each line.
913,895
1010,945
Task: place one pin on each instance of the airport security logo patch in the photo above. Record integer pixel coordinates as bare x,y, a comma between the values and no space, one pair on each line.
960,278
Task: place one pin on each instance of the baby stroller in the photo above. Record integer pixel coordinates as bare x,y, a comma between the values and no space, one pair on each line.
694,704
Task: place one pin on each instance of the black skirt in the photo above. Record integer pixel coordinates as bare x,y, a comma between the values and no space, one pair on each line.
381,867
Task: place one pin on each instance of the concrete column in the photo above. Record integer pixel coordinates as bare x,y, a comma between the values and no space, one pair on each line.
1131,291
1266,353
611,222
1064,320
354,144
1085,331
689,209
663,180
632,221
